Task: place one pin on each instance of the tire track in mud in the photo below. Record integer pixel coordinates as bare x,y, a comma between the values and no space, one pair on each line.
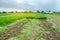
13,30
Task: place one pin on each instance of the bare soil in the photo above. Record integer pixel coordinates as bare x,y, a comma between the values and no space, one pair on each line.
13,30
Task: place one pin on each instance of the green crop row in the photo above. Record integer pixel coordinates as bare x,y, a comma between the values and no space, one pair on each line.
10,18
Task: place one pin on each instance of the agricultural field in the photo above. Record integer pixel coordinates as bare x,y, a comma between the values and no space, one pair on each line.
29,26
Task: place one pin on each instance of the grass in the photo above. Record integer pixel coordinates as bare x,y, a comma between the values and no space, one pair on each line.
56,28
29,30
2,29
9,18
6,19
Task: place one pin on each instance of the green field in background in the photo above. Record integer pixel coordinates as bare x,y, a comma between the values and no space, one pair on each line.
9,18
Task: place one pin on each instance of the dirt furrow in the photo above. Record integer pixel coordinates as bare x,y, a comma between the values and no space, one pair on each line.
52,35
56,23
13,30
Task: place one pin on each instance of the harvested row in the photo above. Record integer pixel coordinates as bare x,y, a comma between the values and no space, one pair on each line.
56,23
55,20
51,34
13,30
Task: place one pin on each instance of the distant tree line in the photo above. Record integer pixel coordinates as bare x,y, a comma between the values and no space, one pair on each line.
30,12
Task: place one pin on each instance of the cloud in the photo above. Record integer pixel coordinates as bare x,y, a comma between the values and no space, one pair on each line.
5,9
45,5
57,7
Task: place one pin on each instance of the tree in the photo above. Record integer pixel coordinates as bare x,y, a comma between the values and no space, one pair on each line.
3,12
30,12
43,12
0,12
38,11
54,12
25,11
16,11
49,11
12,12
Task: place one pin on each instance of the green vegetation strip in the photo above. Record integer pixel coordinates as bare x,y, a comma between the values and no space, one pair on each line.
56,28
10,18
2,29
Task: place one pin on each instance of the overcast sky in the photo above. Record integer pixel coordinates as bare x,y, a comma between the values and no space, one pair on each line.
45,5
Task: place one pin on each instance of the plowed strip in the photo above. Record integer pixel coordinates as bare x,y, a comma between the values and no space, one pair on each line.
13,30
53,34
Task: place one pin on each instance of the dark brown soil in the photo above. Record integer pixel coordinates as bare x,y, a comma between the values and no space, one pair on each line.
54,35
13,30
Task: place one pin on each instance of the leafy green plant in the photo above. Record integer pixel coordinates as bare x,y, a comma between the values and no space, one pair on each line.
7,19
55,28
38,38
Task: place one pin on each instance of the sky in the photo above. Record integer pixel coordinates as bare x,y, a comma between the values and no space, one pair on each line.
22,5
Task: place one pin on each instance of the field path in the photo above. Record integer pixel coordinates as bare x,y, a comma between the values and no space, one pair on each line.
13,30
